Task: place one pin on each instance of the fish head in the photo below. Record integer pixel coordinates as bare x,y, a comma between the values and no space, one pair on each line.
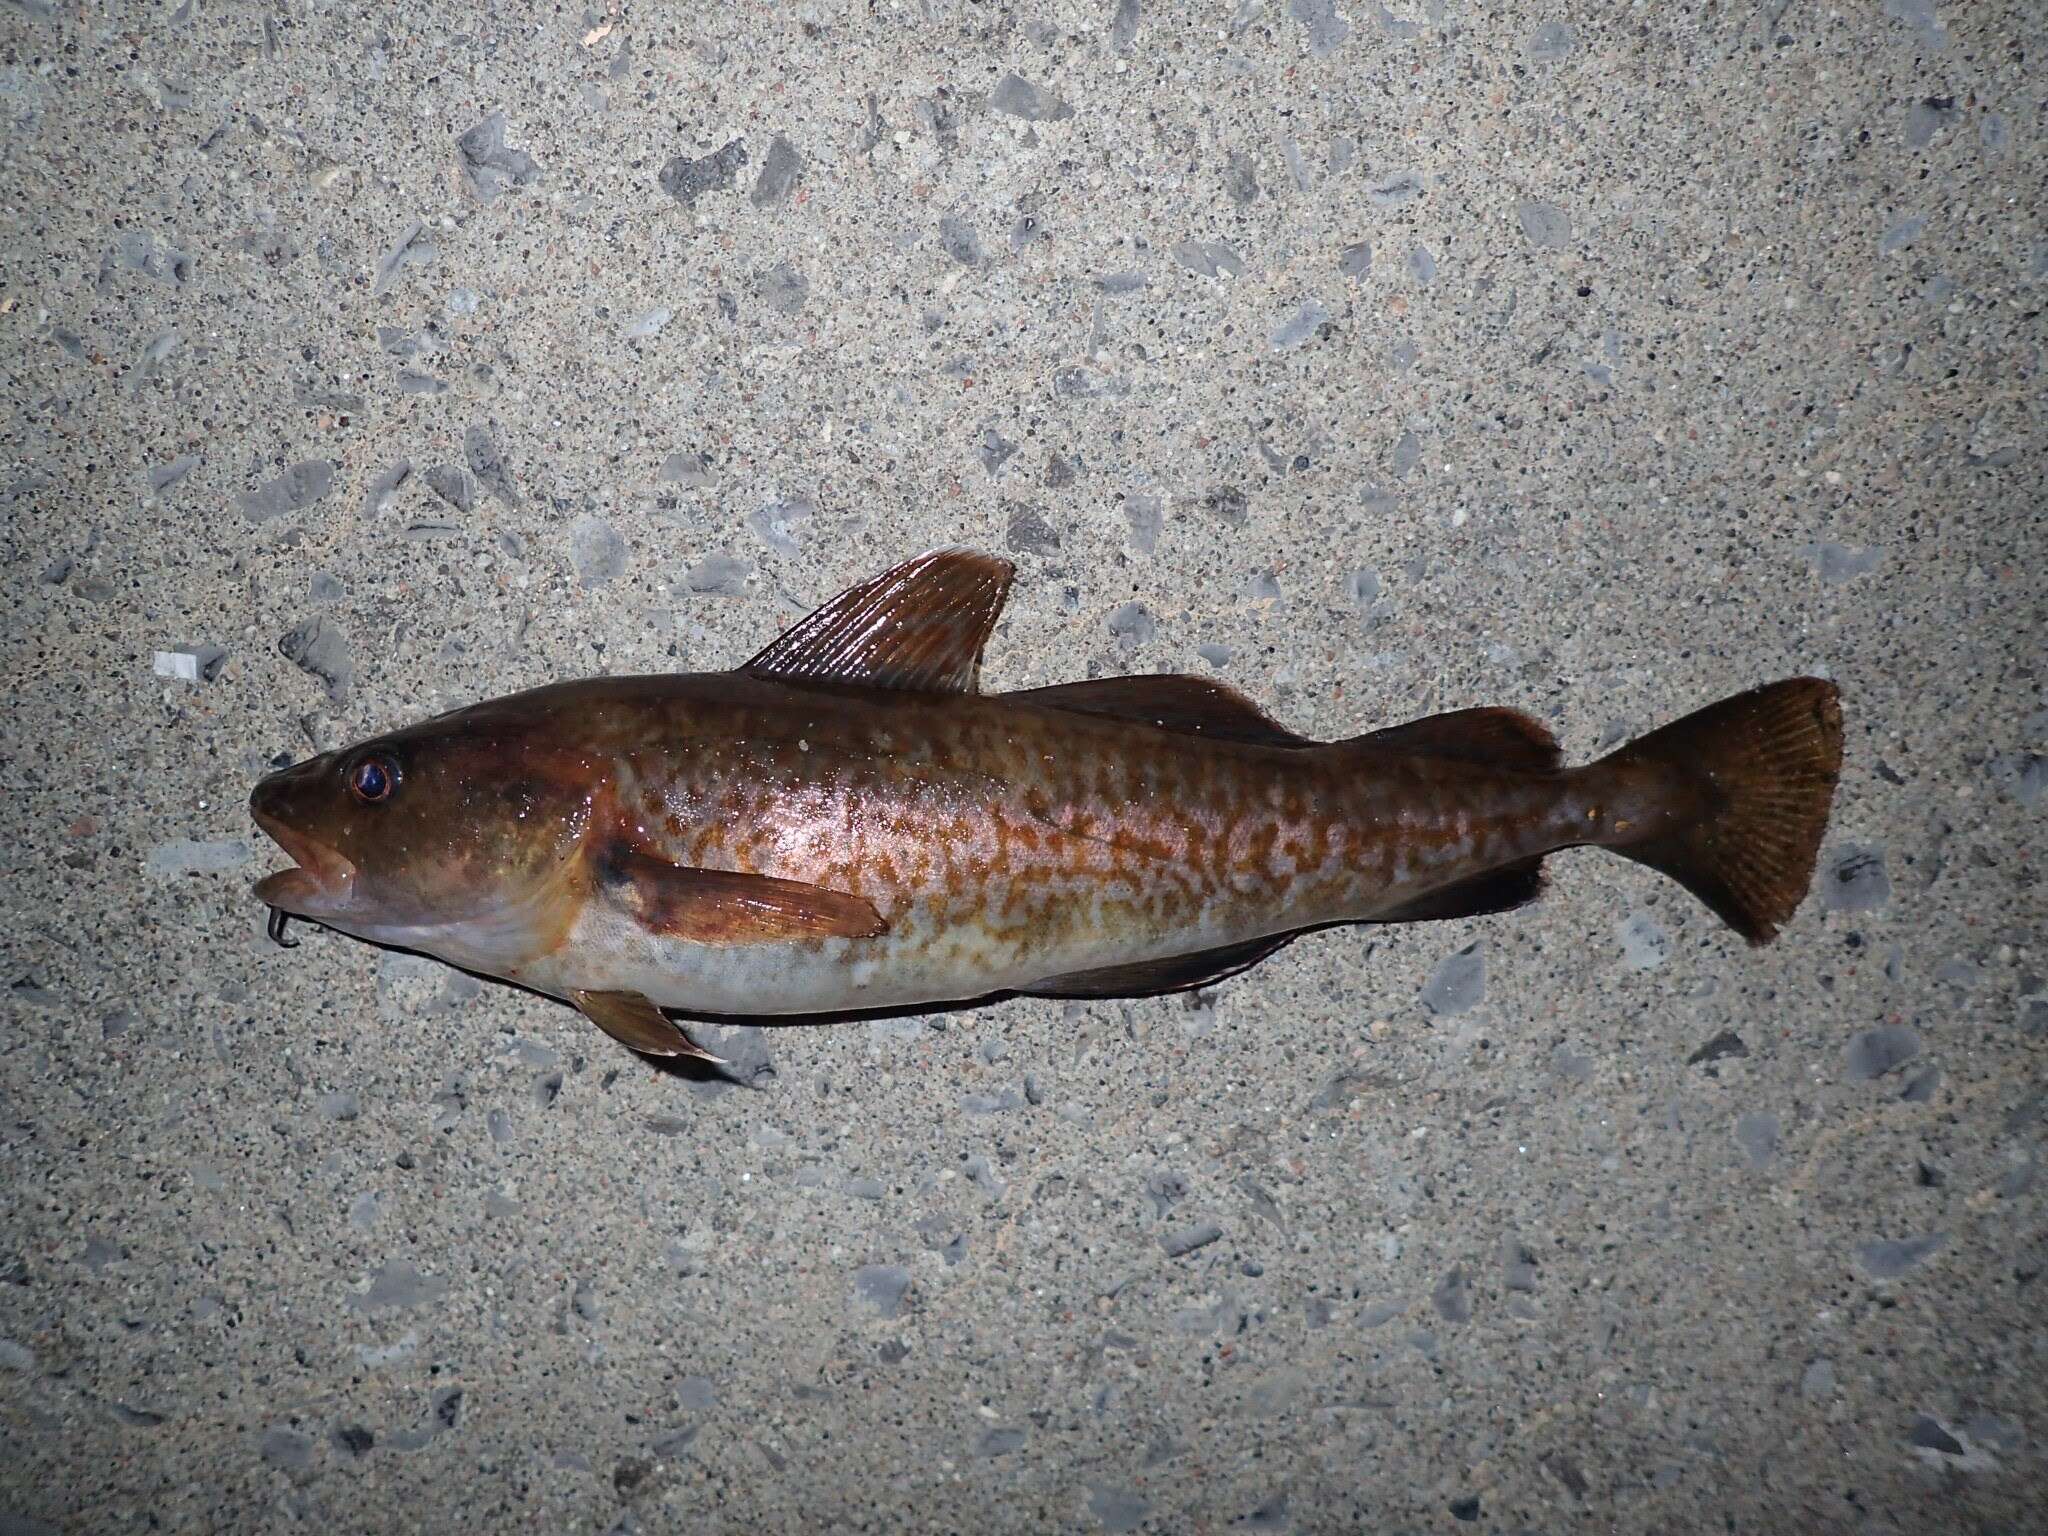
466,826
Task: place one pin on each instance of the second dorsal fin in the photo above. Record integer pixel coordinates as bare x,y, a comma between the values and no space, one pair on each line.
920,626
1499,738
1173,701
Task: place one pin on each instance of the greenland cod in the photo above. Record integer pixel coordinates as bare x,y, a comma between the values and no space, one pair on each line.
847,822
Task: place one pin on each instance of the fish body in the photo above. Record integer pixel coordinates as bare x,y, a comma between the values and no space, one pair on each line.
848,823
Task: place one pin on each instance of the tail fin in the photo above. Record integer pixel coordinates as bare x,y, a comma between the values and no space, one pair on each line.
1761,770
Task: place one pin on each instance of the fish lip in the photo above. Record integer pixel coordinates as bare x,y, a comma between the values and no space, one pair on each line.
322,880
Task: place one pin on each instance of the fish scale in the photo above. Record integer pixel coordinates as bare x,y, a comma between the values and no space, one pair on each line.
848,822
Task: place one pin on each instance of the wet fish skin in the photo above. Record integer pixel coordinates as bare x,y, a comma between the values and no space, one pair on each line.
849,823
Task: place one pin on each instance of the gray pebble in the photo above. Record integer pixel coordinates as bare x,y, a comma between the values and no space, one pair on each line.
412,382
1132,625
1228,504
383,492
412,249
1015,96
1875,1052
1452,1297
486,458
959,240
1116,1509
721,573
284,1447
643,327
866,1187
597,550
1854,880
2021,775
686,180
1920,1087
1927,117
1517,1265
1362,586
690,470
340,1105
1837,563
1891,1257
1240,177
1355,260
1901,234
1551,43
1122,282
1000,1442
1077,383
781,168
1421,265
1395,191
1573,1066
297,488
1458,983
1145,513
16,1357
183,856
1123,26
1644,943
1544,225
1407,454
398,1285
880,1289
1186,1240
1029,533
1920,15
1757,1135
995,450
1817,1381
163,476
778,522
317,647
1299,326
1210,258
783,288
488,167
1326,29
451,482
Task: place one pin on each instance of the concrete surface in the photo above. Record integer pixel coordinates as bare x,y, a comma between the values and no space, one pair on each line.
1598,361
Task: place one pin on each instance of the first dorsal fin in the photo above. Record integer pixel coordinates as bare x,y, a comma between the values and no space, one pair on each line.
919,627
1499,738
1173,701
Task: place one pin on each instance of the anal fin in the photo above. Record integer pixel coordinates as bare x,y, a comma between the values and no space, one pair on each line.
632,1020
1177,973
1498,890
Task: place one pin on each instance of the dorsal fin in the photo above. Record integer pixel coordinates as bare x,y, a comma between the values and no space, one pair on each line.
920,627
1173,701
1499,738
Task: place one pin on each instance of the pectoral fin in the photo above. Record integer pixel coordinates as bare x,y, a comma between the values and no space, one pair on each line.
724,906
632,1020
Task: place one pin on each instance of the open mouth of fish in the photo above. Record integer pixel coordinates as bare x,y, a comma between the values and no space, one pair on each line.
320,885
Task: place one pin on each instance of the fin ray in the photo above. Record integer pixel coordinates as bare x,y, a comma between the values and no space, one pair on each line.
920,626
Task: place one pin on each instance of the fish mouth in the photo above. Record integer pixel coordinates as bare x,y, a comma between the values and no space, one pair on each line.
319,886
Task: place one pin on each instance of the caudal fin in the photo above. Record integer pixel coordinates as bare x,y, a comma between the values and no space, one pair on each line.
1749,781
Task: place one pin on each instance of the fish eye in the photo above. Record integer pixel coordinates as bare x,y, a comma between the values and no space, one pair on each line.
373,779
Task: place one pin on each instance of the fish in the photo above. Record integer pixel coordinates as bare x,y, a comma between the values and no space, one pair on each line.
848,823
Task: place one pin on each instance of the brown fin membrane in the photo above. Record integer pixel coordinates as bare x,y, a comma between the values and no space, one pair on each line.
1176,974
722,906
632,1020
1500,738
1765,764
919,627
1173,701
1498,890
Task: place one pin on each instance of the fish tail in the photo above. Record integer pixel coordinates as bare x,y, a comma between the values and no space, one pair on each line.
1732,801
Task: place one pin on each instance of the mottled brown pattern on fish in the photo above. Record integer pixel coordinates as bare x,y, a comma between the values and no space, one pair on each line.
1035,831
